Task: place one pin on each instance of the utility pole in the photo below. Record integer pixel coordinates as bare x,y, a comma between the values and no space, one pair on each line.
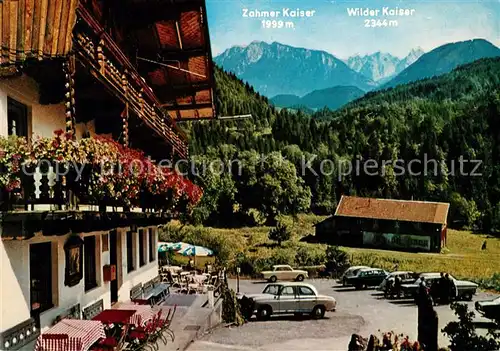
238,270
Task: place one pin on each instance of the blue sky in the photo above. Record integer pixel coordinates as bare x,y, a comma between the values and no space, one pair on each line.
434,23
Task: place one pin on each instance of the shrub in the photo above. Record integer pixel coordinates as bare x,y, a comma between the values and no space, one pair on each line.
170,232
280,233
231,312
492,283
462,333
314,271
337,260
309,256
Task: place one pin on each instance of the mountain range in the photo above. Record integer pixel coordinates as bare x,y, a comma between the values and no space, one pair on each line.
294,76
444,59
275,68
381,66
332,98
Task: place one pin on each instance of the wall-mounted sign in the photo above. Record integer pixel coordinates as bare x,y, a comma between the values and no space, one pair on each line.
397,241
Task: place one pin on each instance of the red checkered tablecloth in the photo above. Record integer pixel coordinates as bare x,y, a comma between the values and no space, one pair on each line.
143,313
81,335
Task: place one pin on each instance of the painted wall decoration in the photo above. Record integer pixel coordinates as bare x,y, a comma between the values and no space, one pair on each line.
397,241
73,250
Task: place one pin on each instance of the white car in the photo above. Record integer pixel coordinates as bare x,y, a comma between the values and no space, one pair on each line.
407,277
288,298
284,272
350,272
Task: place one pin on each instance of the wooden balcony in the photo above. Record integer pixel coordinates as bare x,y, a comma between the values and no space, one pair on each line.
59,205
42,190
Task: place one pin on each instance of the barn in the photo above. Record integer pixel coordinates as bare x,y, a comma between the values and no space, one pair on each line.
386,224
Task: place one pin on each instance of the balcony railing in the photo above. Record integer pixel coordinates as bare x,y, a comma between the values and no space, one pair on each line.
42,190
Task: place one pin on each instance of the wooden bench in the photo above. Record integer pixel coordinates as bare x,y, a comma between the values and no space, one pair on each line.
93,310
136,292
20,335
147,290
73,312
160,289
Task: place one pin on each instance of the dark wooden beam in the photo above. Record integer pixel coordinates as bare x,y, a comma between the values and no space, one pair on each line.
179,55
145,13
186,107
170,93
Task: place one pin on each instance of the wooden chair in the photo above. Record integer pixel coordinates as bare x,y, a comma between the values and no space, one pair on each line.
168,323
71,313
112,343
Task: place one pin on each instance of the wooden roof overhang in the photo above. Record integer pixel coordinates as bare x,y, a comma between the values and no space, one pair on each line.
35,29
173,52
161,65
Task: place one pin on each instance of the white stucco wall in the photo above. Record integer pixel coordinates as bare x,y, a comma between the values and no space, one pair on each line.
15,287
43,120
3,112
15,304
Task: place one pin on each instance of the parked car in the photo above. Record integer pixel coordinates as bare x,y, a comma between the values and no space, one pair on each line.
284,272
489,308
406,278
367,277
465,289
289,298
350,272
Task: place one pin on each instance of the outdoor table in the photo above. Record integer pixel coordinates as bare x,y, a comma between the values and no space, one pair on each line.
115,316
143,313
82,334
171,269
198,278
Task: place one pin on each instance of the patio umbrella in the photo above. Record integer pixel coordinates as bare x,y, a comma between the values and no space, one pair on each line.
193,250
165,246
168,247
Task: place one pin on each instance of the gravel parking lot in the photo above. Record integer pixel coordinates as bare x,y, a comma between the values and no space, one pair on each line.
364,312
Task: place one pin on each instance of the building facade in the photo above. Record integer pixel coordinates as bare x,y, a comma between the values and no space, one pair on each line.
66,67
386,224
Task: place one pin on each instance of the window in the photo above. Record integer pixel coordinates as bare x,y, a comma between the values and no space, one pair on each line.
151,238
305,291
283,269
17,118
271,289
142,248
41,277
89,262
130,251
287,290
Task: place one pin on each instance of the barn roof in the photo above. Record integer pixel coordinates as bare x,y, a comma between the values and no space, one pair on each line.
399,210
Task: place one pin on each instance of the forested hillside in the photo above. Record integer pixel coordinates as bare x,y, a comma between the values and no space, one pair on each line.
450,119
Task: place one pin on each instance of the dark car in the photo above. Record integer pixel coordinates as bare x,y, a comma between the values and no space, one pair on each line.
367,277
464,290
489,309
